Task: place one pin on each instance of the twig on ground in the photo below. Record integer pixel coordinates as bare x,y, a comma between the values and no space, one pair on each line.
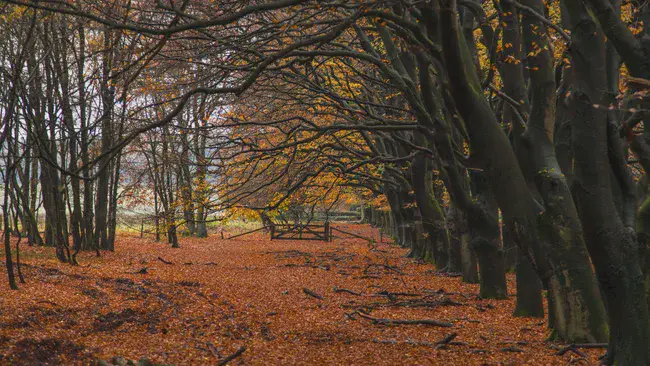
450,337
519,343
312,293
232,357
445,341
369,277
336,289
386,266
164,261
574,347
395,294
432,322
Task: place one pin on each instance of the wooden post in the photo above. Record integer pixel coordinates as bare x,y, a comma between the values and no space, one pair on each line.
142,229
327,231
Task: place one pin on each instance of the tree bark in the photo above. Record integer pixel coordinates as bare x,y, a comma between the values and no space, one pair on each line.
612,245
582,316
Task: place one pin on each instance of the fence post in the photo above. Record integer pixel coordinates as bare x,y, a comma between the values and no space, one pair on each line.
327,232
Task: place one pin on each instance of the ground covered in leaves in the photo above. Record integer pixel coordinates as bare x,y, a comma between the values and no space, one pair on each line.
286,302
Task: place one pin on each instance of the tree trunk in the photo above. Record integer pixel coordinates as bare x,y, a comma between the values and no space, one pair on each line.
509,248
108,102
470,272
583,315
186,187
113,203
486,241
87,231
433,216
201,185
529,290
454,218
613,247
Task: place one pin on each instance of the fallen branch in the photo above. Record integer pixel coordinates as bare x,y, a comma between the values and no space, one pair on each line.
385,266
232,357
482,308
408,341
336,289
432,322
457,343
574,347
450,337
312,293
447,274
578,352
465,295
519,343
369,277
440,344
419,303
394,294
164,261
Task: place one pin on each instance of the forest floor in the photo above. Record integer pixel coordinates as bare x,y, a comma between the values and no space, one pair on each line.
219,295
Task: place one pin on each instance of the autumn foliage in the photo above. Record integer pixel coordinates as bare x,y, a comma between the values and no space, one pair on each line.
211,300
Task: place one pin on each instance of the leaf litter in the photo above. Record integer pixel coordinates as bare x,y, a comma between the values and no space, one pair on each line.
348,301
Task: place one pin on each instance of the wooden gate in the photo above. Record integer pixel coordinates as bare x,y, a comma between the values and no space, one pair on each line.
301,232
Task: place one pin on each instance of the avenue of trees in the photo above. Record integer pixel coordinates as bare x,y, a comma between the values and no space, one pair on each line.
483,135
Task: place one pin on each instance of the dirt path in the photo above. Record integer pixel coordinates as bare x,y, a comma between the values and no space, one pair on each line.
220,295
